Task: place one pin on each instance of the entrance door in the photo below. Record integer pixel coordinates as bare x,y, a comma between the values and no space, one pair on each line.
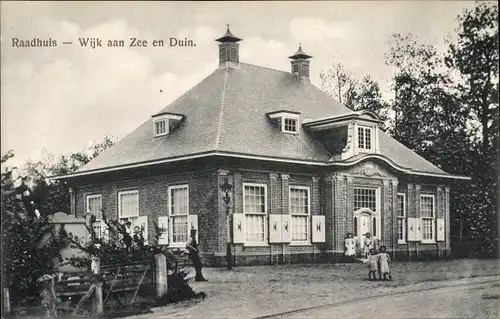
364,226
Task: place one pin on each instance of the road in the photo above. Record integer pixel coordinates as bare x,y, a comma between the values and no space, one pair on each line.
479,300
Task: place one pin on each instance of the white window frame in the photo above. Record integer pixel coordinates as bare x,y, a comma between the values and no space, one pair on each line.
374,214
431,219
171,216
265,214
308,216
293,118
165,120
128,192
98,215
372,138
402,218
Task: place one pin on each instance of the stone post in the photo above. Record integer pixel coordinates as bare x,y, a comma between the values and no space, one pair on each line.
97,300
161,275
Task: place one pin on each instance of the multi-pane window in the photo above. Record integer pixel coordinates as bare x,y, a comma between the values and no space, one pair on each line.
290,125
94,206
427,214
128,204
365,198
401,212
365,138
179,211
160,127
299,210
254,199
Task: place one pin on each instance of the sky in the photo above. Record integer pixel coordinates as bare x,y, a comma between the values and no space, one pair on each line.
61,99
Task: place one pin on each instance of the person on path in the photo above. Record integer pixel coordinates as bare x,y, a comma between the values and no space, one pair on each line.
372,261
383,264
350,247
368,244
192,247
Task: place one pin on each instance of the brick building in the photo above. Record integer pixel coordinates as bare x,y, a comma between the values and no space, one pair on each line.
304,170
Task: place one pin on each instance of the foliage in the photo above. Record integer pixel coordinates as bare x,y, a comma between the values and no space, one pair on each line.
29,244
54,195
356,94
474,58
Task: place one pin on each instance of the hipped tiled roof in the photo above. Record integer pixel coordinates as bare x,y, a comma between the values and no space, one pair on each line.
226,112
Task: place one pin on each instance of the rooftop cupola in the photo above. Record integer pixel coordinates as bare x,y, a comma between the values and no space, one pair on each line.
300,64
229,51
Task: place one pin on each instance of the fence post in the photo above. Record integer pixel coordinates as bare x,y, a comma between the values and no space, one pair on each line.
6,300
97,296
160,275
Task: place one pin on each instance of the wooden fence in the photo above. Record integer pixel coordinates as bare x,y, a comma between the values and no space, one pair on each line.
123,284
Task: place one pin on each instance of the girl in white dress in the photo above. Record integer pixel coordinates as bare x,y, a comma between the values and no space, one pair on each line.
368,245
383,264
350,246
372,261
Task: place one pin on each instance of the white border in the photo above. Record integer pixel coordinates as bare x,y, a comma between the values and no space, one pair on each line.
434,226
87,198
129,192
171,216
308,241
265,214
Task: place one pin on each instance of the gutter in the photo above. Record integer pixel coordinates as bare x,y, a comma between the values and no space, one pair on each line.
254,157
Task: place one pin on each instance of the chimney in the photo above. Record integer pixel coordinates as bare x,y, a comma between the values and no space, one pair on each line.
229,50
300,64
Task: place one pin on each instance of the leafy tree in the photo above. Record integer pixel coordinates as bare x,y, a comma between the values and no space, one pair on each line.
474,58
54,195
29,244
354,93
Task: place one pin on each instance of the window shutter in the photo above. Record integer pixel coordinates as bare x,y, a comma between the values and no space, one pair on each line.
142,223
163,225
285,228
193,223
419,229
440,229
239,228
318,229
274,228
412,229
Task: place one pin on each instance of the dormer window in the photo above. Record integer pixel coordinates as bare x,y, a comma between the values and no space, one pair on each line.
161,127
365,138
164,123
287,121
290,125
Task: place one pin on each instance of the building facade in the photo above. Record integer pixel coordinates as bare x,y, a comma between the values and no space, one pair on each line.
303,171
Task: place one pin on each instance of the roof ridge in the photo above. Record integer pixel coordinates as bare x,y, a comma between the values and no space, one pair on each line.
223,96
265,67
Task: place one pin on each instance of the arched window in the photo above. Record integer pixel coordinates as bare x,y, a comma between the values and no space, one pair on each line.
355,226
374,226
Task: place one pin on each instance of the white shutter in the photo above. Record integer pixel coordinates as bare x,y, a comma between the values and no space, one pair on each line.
239,228
318,229
193,224
420,229
440,229
412,229
142,223
163,225
274,228
286,222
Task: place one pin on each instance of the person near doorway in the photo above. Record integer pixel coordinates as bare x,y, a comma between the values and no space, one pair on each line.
350,247
192,247
372,261
383,264
368,245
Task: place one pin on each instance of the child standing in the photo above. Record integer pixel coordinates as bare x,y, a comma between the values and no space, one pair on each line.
350,247
372,261
383,264
368,245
